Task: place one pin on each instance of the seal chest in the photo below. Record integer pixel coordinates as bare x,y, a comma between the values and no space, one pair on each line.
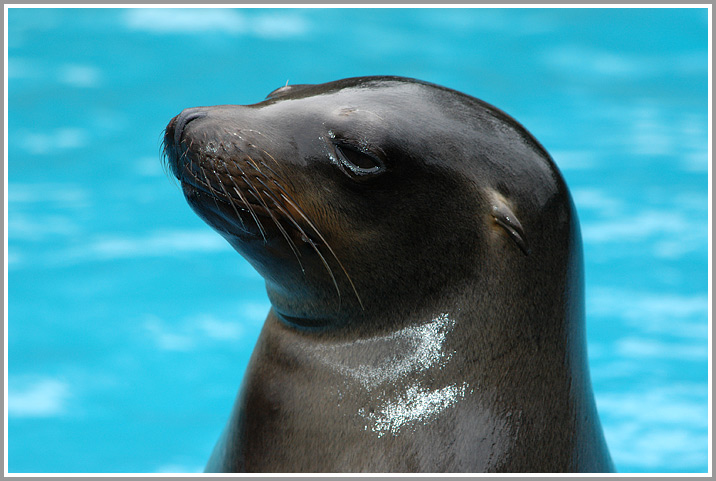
422,256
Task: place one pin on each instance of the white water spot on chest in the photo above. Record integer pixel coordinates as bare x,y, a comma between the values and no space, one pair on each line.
414,349
417,405
394,370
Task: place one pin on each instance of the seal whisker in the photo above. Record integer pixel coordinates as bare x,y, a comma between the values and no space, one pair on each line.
275,174
236,134
252,163
253,214
291,244
163,148
310,241
270,194
244,175
328,268
231,201
287,214
253,191
323,239
272,158
185,155
246,202
257,195
236,189
165,160
248,206
252,188
211,189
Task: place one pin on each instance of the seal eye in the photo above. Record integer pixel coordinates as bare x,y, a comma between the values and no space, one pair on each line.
357,161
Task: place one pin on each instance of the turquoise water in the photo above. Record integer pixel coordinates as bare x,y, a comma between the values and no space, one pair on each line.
131,322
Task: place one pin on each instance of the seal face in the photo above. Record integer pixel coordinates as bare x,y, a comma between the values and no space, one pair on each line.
422,256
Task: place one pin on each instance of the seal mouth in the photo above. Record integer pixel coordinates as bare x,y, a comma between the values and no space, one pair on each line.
239,195
252,201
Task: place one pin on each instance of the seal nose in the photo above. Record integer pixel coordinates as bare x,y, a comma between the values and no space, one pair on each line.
183,119
173,136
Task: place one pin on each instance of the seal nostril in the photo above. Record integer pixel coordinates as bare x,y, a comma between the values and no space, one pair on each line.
183,119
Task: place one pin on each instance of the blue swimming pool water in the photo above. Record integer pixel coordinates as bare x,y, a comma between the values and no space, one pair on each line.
130,322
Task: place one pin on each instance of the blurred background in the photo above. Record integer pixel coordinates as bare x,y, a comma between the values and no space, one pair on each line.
131,322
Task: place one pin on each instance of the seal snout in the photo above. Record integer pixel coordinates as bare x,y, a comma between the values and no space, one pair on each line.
174,135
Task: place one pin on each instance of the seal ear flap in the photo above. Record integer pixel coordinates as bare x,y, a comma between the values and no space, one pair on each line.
505,218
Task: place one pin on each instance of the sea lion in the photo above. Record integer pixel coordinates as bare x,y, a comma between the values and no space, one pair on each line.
423,259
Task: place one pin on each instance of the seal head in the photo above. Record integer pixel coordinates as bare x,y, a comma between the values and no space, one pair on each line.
422,256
